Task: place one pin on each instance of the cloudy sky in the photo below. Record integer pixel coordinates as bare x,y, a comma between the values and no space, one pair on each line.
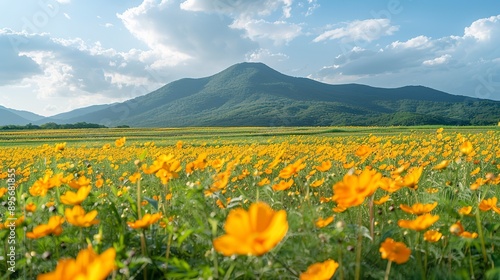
58,55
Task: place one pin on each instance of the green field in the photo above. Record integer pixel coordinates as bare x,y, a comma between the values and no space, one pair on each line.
180,203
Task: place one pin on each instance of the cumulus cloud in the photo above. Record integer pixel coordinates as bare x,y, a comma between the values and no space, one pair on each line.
359,30
463,64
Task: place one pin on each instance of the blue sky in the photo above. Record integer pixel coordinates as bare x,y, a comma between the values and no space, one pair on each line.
59,55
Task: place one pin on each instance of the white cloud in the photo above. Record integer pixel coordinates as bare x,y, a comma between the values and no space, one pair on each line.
108,25
359,30
66,16
63,1
238,8
266,56
279,31
463,64
438,60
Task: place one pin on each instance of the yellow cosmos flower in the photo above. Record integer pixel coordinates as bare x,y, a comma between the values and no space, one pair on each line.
411,179
418,208
382,200
325,166
442,165
283,185
432,236
458,229
389,185
317,183
466,148
292,169
489,204
321,223
320,271
79,218
422,222
146,221
353,189
465,210
263,182
3,191
60,147
252,232
30,207
120,142
394,251
71,198
87,265
82,181
54,226
17,222
363,151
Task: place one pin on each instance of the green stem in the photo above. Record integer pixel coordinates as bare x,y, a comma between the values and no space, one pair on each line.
341,268
229,271
419,256
481,236
387,270
167,254
470,263
357,271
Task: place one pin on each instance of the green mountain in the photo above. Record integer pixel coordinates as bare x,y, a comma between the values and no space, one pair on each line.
252,94
62,117
17,117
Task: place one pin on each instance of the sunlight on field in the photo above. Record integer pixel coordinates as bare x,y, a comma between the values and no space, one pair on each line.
251,203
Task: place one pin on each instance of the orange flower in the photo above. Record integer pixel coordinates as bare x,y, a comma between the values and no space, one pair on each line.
87,265
466,148
432,236
363,151
394,251
263,182
353,189
389,185
134,177
418,208
120,142
442,165
321,223
292,169
79,218
16,222
465,210
30,207
252,232
410,180
283,185
458,229
82,181
489,204
164,167
54,226
71,198
60,147
320,271
382,200
146,221
3,191
317,183
422,222
325,166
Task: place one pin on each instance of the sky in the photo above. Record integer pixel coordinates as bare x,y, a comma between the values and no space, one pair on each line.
59,55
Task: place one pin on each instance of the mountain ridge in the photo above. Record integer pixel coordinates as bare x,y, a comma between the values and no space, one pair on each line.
253,94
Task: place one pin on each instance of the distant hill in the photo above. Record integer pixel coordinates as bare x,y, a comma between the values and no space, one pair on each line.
7,116
61,118
253,94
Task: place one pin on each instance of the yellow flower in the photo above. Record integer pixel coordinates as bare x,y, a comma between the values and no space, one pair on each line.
71,198
3,191
442,165
292,169
60,147
87,265
466,148
252,232
363,151
263,182
325,166
30,207
134,177
410,180
422,222
320,271
283,185
389,185
475,171
458,229
465,210
321,223
317,183
54,226
146,221
120,142
432,236
418,208
79,218
353,189
489,204
382,200
394,251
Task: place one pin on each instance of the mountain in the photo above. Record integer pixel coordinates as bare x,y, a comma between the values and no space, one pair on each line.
62,117
17,117
253,94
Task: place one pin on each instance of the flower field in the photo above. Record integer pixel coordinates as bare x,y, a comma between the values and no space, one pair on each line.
245,203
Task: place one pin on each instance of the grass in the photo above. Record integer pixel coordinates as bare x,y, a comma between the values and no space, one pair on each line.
243,166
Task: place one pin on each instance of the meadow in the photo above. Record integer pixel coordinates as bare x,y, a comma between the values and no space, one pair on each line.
251,203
